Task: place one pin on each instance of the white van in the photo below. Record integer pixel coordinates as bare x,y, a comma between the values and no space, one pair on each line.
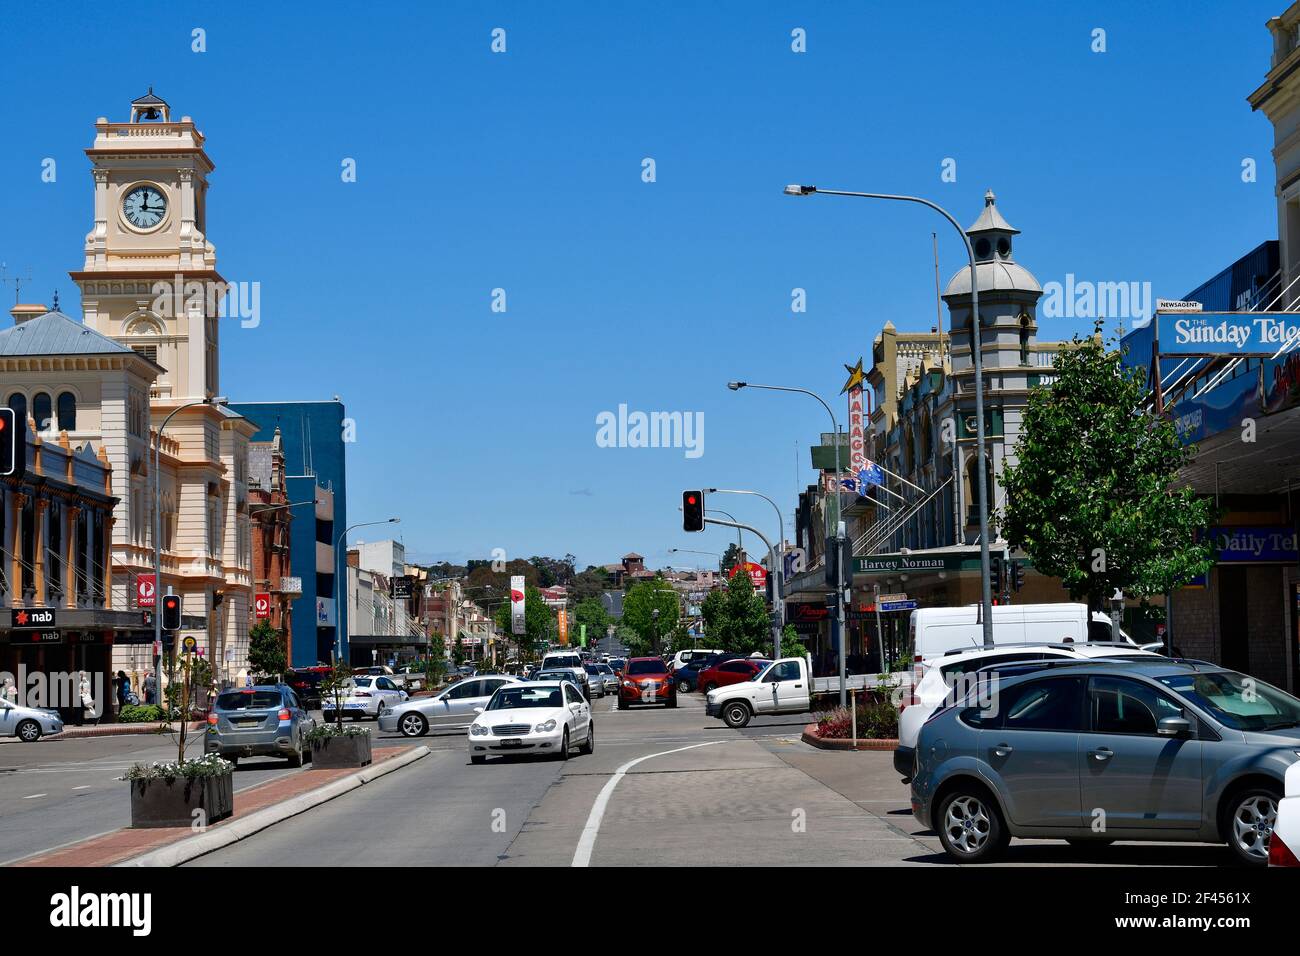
934,631
682,658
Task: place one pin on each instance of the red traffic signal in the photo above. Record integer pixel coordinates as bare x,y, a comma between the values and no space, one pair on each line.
171,612
692,511
13,444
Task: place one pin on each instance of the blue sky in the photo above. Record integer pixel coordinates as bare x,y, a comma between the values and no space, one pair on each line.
522,171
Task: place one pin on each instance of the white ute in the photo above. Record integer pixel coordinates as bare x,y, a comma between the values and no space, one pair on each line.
783,687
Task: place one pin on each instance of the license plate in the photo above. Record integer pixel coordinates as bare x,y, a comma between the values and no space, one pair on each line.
512,743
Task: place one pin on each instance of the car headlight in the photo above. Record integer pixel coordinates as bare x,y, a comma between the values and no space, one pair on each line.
478,730
546,727
628,683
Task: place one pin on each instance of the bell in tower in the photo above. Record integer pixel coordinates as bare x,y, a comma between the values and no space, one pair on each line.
150,109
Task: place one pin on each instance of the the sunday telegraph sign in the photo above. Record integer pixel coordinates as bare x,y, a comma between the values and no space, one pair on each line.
1227,333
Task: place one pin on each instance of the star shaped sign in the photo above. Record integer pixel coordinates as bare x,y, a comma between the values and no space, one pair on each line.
21,618
856,377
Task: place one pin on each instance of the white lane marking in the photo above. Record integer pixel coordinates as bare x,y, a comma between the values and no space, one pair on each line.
33,796
84,786
587,842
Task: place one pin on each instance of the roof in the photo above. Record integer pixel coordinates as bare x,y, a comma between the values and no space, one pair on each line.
990,219
56,334
149,99
997,275
632,554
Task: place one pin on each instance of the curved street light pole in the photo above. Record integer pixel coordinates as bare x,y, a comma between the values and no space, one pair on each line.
778,572
157,543
835,527
986,601
338,621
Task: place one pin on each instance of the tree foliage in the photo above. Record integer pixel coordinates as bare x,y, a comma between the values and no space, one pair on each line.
268,654
640,603
539,621
1092,498
593,614
735,618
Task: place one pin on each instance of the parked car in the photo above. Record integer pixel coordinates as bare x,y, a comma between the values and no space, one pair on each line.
618,663
570,662
364,697
452,709
645,680
546,717
305,682
1284,844
948,676
411,678
682,658
374,670
729,672
783,687
28,724
687,676
1167,750
268,720
602,676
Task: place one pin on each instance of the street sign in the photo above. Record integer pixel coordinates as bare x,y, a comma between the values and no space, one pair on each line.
188,644
31,618
262,605
401,588
144,591
897,606
891,598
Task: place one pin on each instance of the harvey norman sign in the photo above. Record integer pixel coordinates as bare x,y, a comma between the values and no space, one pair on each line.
1227,333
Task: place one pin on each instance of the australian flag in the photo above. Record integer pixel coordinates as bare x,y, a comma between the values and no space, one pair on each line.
871,475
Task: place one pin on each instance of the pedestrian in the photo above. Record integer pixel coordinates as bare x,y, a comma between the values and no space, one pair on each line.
88,710
11,690
123,688
150,688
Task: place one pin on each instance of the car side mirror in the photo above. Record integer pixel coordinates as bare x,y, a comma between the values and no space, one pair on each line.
478,710
1173,727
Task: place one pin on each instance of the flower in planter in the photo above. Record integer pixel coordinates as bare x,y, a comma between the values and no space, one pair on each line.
327,731
209,765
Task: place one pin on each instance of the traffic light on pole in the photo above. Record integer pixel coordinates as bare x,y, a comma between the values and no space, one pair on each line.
1017,575
995,574
171,612
13,444
692,511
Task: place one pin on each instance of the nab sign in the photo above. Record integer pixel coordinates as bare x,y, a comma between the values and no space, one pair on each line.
31,617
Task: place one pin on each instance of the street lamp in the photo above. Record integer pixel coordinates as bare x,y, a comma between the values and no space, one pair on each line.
740,541
338,638
778,605
157,540
985,591
839,574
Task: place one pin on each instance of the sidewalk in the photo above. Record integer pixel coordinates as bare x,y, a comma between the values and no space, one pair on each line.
115,730
111,848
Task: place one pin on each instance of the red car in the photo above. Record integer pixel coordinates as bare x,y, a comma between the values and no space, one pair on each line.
729,672
645,680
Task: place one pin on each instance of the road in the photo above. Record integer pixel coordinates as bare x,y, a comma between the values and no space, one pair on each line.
703,795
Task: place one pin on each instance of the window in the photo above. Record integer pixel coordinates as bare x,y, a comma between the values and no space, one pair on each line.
1120,706
18,402
572,695
1051,703
735,667
148,351
42,410
67,411
466,690
786,670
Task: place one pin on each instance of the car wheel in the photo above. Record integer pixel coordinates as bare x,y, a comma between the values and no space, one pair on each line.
478,759
295,758
970,826
1251,820
29,731
413,724
590,746
736,714
708,687
683,687
622,704
564,745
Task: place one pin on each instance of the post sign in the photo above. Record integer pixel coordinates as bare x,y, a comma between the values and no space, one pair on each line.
401,588
144,590
261,605
517,622
757,574
31,617
897,605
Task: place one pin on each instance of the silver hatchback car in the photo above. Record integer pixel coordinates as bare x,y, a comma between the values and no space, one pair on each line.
1093,752
264,721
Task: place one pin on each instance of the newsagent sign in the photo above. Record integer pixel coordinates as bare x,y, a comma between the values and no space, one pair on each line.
1226,333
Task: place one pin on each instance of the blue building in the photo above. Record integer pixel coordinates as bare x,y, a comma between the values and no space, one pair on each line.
311,434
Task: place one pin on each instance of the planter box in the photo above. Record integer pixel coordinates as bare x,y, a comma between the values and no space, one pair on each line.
809,736
349,750
172,803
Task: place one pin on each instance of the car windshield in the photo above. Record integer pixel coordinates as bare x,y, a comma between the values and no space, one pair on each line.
1236,700
564,660
362,681
517,698
244,699
593,669
645,667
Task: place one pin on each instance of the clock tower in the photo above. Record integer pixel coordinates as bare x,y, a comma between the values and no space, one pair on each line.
150,276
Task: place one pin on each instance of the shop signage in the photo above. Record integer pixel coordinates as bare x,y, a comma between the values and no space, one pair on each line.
144,591
1227,333
518,621
1257,543
401,589
31,617
757,574
896,563
262,605
37,637
897,605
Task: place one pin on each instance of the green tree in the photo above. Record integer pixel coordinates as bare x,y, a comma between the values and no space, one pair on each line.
267,654
1092,498
642,600
730,558
593,614
539,621
735,618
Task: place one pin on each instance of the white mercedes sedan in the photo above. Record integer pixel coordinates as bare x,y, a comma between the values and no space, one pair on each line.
541,717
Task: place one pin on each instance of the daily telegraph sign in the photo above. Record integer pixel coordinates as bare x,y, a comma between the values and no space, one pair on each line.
1227,333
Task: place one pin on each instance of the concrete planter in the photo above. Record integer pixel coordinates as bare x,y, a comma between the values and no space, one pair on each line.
810,737
345,750
181,802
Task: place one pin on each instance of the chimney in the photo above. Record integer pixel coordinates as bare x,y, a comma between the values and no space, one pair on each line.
22,313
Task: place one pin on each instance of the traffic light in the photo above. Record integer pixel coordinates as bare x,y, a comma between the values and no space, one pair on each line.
839,559
1017,575
171,612
692,511
13,444
995,574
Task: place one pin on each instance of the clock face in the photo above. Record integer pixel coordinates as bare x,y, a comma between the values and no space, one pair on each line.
144,207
